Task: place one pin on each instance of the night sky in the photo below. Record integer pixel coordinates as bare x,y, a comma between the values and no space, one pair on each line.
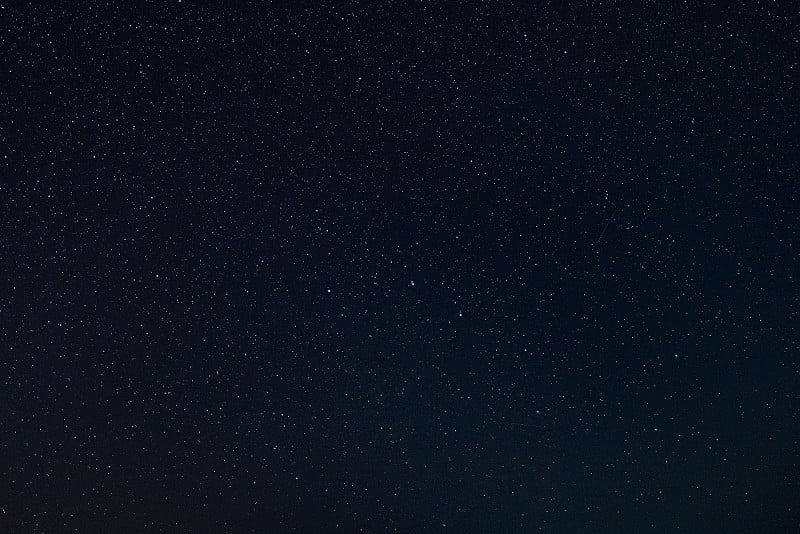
471,267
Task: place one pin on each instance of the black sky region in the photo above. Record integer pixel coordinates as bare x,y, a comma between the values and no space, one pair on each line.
391,266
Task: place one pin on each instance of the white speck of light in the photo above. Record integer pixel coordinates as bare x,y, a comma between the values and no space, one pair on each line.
412,282
329,291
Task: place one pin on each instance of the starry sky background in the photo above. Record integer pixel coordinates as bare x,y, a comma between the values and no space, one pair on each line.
399,266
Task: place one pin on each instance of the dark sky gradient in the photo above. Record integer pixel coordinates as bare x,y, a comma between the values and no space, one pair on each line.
478,267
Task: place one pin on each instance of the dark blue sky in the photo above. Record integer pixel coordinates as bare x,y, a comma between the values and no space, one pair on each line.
399,266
